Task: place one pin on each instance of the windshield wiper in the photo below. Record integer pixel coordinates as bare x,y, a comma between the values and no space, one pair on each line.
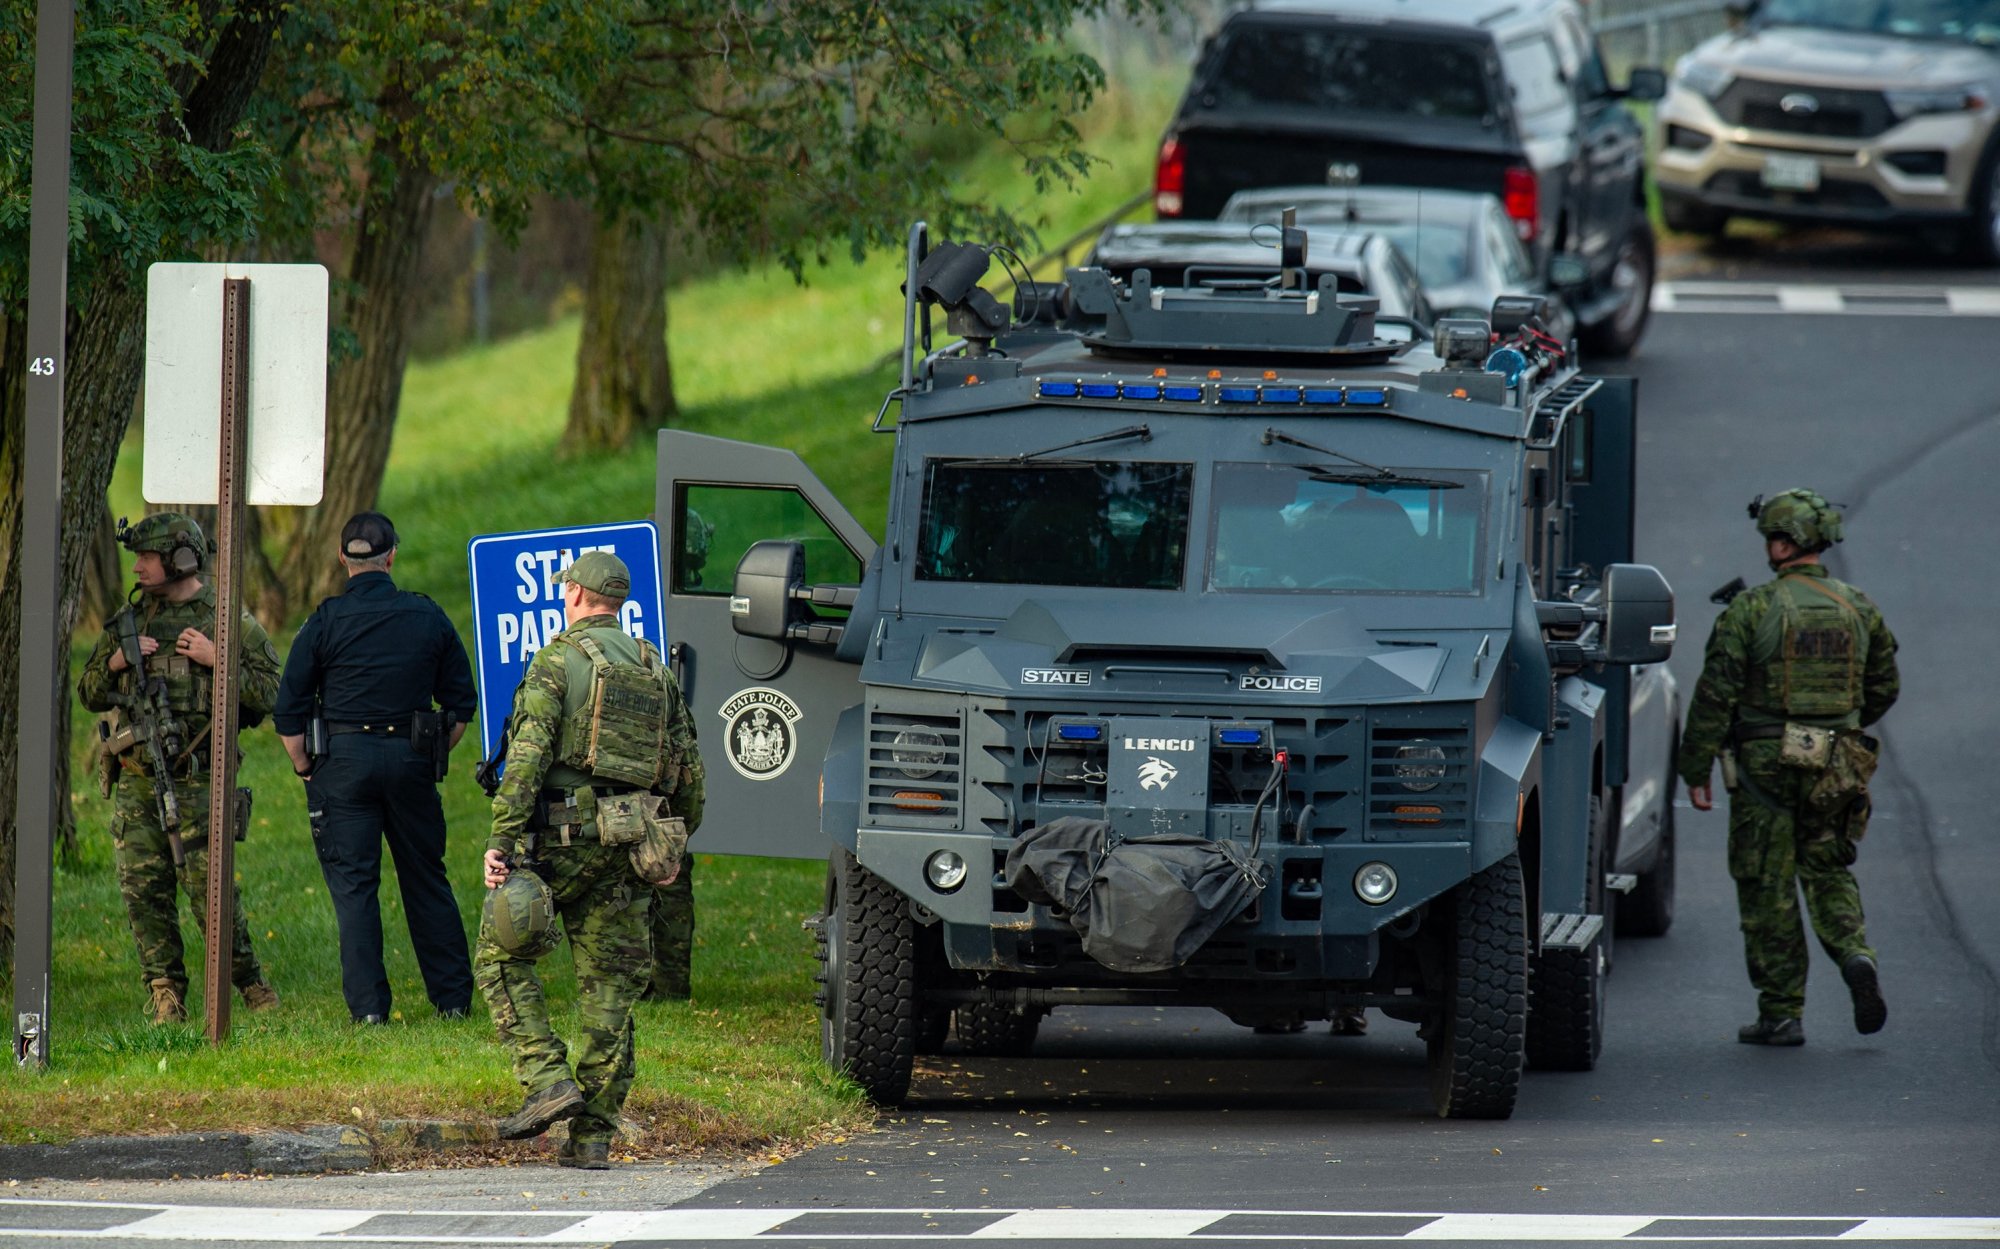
1274,434
1116,435
1376,475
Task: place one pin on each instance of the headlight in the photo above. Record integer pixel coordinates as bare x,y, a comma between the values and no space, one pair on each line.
1704,79
1375,883
945,870
919,753
1420,767
1965,98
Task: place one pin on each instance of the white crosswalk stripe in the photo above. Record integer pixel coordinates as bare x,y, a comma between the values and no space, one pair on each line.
1821,300
237,1224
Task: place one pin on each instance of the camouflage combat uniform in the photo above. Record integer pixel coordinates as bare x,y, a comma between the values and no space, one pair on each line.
601,902
146,871
1810,650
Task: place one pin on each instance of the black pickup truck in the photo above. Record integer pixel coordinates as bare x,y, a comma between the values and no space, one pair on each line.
1501,96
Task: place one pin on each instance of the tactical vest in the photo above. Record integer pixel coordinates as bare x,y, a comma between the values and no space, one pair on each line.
615,727
1810,652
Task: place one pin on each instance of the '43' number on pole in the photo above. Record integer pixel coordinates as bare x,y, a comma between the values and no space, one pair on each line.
42,366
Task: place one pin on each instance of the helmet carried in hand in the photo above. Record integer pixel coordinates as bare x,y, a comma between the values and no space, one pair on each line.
520,915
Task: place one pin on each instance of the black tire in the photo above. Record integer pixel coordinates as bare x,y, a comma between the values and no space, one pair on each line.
1631,274
1980,242
1566,987
1475,1040
1001,1031
868,1017
1684,216
1648,911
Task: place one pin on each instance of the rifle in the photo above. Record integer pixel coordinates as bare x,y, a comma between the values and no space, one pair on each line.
488,771
154,725
1725,595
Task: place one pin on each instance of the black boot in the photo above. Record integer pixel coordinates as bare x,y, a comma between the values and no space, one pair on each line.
589,1155
558,1101
1870,1011
1768,1031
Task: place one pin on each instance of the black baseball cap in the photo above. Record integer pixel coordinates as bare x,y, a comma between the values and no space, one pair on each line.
367,535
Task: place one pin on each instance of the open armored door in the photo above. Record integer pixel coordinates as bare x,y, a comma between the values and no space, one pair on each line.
1600,462
764,710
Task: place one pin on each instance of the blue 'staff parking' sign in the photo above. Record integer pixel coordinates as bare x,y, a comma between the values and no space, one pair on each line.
517,602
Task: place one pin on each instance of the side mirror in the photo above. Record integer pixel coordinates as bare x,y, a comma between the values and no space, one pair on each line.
1638,616
760,605
1568,271
1646,83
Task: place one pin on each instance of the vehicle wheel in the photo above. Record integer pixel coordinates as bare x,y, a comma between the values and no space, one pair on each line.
1688,217
1566,987
1475,1039
1002,1031
1648,911
868,1016
1981,244
1632,280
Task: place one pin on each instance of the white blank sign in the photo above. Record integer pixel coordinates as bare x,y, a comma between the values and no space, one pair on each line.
287,417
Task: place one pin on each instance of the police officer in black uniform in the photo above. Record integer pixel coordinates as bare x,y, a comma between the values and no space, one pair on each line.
369,664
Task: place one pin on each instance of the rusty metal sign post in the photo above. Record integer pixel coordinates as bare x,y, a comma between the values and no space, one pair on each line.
229,516
251,432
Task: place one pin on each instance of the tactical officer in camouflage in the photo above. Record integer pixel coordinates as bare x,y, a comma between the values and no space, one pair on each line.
603,784
1795,669
175,616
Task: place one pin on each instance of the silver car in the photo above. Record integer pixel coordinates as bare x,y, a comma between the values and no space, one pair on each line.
1462,243
1860,112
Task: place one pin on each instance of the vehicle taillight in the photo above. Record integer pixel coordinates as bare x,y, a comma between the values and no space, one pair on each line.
1522,197
1169,179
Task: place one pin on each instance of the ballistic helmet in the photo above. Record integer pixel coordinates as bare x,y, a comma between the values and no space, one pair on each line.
1800,515
177,539
520,915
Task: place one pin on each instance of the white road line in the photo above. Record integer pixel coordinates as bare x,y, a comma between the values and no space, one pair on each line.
231,1224
1873,300
1100,1224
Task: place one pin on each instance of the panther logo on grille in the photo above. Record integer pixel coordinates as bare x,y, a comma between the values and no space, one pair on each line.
1155,772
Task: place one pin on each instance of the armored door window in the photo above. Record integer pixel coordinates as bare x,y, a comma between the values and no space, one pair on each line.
1113,524
718,524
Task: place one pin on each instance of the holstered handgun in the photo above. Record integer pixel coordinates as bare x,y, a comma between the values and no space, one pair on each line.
315,743
430,737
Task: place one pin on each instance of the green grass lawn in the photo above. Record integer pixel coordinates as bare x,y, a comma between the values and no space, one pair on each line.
756,357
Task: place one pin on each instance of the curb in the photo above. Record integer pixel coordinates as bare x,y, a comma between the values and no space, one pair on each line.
188,1155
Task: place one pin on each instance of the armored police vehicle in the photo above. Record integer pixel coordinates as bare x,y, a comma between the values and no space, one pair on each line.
1225,649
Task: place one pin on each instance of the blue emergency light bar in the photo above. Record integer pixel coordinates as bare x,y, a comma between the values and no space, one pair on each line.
1242,737
1225,392
1079,732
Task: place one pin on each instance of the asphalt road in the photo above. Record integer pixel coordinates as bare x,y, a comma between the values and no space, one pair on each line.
1154,1126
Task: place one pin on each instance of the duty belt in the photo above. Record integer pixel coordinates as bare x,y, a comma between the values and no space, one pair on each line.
1757,732
377,729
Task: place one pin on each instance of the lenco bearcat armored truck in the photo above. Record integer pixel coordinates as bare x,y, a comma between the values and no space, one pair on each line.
1225,649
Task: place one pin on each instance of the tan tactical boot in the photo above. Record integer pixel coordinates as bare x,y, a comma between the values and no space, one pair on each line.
166,1006
260,996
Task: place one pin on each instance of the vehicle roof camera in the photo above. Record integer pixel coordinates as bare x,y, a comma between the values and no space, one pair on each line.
949,277
1462,342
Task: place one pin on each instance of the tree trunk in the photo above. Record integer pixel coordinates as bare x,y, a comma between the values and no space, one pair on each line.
624,387
104,345
103,572
362,394
104,362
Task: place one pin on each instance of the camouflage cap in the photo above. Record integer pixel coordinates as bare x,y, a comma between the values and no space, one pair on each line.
601,573
1803,516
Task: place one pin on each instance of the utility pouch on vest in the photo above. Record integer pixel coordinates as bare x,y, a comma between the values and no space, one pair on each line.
1844,783
657,860
621,734
622,820
1806,748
